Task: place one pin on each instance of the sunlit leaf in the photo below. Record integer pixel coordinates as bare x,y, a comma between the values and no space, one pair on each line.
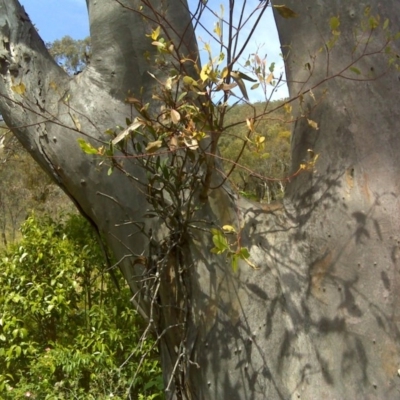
153,146
205,71
269,78
217,29
229,229
229,86
158,44
131,128
288,108
19,89
155,33
250,124
168,84
313,124
175,116
191,143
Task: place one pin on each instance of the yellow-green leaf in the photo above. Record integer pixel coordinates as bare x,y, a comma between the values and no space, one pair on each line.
334,23
285,12
235,262
189,81
229,229
86,147
217,29
205,71
288,108
355,70
386,24
373,22
220,242
155,33
19,89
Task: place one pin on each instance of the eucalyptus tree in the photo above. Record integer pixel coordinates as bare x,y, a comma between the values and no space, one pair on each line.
296,300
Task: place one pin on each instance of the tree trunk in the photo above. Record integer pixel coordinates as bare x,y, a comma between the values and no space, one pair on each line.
318,318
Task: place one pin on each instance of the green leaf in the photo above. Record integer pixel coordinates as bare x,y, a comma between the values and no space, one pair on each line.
220,242
229,229
86,147
355,70
386,24
334,23
272,67
235,262
244,253
373,22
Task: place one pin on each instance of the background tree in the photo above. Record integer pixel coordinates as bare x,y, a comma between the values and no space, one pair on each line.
71,54
319,316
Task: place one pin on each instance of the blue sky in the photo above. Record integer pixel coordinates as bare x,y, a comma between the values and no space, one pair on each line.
57,18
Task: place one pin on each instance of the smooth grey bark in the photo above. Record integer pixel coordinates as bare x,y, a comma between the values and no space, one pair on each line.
319,318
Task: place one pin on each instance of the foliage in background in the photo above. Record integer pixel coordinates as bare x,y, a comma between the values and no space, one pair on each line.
264,164
24,187
65,330
72,55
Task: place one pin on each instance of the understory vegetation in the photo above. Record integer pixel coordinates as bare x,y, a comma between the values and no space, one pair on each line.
66,331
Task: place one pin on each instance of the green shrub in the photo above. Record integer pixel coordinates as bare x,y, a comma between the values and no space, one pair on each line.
65,329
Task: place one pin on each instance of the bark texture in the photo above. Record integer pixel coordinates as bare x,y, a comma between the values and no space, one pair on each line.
319,318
